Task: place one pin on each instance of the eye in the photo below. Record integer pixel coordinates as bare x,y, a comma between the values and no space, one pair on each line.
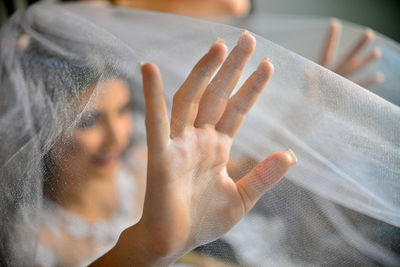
127,108
88,121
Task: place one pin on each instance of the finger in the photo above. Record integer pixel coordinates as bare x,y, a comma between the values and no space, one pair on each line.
265,175
187,98
240,104
356,65
157,123
375,78
367,37
214,99
331,43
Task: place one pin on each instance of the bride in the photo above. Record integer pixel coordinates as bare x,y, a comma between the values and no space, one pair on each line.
86,172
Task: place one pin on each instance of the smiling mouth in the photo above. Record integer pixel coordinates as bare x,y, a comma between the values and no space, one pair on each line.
106,159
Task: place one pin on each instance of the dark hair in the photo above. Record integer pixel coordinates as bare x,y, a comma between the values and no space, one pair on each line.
63,80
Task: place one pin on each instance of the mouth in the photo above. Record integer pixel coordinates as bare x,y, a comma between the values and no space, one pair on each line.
106,159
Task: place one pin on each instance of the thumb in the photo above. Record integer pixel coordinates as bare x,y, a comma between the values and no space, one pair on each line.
264,176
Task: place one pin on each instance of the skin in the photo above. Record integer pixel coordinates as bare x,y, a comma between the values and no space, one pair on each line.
188,157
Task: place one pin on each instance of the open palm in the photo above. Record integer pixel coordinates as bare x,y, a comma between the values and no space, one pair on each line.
190,198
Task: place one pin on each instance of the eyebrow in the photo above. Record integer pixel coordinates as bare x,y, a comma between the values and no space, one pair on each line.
97,113
92,114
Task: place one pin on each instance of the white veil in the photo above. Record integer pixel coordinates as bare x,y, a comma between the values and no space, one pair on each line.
340,205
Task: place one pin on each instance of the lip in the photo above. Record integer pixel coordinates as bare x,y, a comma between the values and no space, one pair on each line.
106,159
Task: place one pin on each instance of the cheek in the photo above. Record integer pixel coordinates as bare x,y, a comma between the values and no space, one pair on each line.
75,152
87,142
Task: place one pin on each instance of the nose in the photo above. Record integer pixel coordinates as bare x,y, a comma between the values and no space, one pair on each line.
114,135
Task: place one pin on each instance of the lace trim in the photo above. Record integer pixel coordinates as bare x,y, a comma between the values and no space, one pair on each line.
56,218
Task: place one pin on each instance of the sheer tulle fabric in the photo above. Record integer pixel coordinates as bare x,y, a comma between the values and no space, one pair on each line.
339,205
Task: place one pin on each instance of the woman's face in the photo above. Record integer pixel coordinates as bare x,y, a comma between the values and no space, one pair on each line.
103,133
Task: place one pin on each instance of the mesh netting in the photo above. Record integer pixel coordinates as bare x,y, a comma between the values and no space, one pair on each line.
70,76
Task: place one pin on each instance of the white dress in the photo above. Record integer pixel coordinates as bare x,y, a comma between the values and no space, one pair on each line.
104,234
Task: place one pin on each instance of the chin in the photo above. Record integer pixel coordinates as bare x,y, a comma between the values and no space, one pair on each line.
106,169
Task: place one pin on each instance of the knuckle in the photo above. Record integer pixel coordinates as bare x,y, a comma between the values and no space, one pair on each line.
235,61
238,108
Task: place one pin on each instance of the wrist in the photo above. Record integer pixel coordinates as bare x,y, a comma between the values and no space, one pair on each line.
135,246
133,249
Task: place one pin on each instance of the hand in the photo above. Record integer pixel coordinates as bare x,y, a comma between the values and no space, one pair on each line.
350,63
190,198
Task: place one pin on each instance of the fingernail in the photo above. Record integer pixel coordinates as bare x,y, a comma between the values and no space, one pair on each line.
261,66
23,42
244,40
369,34
245,32
292,156
377,52
219,41
267,59
335,22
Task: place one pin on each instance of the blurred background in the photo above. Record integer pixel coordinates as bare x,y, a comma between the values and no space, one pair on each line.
380,15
